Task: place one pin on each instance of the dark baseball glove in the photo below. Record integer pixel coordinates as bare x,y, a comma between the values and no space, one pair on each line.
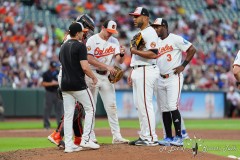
115,78
137,42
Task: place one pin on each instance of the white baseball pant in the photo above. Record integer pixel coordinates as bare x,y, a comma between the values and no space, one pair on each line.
86,99
143,79
168,92
108,96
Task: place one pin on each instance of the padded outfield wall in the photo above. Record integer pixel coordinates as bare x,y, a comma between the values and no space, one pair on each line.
193,104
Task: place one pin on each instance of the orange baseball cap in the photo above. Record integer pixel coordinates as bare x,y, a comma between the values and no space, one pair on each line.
110,26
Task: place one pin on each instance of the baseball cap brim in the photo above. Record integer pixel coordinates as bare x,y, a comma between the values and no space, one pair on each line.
155,24
85,30
113,31
134,14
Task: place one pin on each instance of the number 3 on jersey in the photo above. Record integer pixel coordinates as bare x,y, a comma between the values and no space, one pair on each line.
169,57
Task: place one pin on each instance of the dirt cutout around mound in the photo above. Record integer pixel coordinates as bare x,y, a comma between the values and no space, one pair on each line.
109,152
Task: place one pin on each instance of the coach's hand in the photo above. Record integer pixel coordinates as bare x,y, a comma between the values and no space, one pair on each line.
178,69
112,70
94,81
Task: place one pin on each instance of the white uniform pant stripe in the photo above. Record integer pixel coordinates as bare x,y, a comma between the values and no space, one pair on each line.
144,90
179,86
93,118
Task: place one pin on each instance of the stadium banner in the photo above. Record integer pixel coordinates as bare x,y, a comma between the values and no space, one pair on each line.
193,104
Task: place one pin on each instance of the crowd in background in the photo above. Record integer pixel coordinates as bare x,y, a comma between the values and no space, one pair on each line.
27,47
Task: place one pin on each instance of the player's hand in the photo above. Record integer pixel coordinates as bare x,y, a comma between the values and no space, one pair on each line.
133,50
178,69
122,49
112,70
129,79
94,81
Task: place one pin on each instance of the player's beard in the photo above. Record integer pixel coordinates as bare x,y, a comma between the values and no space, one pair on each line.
139,25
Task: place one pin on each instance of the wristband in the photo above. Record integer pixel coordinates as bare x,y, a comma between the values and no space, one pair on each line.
121,55
237,83
185,63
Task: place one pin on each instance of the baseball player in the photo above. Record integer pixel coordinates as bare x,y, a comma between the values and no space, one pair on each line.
102,48
236,69
170,81
57,136
73,57
142,77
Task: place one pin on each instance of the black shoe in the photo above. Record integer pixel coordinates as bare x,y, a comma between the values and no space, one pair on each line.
146,143
134,142
61,145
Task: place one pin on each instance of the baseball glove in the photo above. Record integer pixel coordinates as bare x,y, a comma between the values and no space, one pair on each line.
137,42
115,78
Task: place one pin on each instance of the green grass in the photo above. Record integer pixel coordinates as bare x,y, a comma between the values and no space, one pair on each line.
10,144
216,124
219,124
218,147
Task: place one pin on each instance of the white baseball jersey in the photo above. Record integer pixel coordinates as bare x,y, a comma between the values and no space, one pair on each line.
170,57
150,37
237,59
102,50
170,52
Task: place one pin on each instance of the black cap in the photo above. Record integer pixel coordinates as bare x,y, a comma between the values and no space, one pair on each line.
140,11
75,27
160,22
54,64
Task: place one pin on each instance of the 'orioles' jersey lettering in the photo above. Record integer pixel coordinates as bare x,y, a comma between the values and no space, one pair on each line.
105,52
170,52
102,50
165,49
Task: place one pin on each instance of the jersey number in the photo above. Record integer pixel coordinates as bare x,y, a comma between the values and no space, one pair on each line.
169,57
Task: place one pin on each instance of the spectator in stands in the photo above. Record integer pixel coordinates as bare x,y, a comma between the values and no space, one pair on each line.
27,46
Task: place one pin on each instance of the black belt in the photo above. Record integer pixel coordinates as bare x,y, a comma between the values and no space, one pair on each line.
164,76
137,66
101,72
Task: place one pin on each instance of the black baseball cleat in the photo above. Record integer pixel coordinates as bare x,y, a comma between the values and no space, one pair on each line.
146,143
134,142
61,145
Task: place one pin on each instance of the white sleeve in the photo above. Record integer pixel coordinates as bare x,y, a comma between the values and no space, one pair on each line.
237,59
89,45
150,37
182,43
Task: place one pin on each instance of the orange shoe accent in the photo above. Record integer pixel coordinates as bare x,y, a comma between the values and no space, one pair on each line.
55,137
77,140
